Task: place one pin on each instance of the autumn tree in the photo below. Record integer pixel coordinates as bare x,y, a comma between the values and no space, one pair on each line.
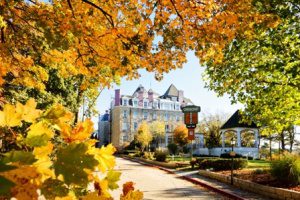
181,135
143,136
80,47
210,125
157,128
262,71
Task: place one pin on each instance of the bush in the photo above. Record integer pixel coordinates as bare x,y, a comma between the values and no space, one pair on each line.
186,149
222,164
250,158
148,155
173,148
160,156
227,155
286,168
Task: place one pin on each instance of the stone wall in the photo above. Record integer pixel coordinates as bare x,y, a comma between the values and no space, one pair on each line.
271,192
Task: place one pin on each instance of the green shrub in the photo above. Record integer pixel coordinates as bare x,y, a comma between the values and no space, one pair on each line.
222,164
173,148
148,155
286,168
259,171
160,156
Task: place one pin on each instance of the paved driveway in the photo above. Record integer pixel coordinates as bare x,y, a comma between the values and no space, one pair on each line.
157,184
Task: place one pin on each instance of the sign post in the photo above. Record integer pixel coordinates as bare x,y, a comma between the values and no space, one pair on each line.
191,121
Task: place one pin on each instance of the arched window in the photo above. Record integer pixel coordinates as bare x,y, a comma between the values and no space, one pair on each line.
247,138
228,136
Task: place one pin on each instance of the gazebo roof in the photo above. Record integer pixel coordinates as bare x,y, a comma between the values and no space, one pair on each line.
235,121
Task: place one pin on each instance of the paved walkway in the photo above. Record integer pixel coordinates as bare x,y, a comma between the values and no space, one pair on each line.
158,184
223,186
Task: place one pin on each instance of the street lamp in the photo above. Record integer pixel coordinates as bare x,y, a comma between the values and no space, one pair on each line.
232,154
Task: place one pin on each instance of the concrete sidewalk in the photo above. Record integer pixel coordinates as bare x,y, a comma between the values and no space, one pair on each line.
219,185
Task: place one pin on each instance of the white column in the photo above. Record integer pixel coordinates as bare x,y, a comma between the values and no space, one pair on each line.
238,134
256,138
223,138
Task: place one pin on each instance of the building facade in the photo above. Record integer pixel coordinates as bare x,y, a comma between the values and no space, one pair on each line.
128,111
104,129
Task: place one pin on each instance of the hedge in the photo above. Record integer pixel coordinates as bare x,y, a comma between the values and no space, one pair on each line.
222,164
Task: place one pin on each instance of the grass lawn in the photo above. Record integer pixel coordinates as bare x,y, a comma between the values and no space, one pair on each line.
258,164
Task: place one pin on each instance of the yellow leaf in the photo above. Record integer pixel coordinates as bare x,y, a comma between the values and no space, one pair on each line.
9,116
81,132
104,156
43,164
28,111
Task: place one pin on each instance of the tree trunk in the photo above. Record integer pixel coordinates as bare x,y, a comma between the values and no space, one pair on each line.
270,143
282,141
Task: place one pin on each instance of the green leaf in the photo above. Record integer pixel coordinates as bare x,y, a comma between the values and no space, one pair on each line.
37,141
5,186
112,178
71,162
26,158
52,188
4,167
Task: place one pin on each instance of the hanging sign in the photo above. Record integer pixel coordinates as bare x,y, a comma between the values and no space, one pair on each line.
191,134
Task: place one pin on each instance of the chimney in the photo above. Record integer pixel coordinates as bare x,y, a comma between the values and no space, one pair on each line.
117,97
180,96
150,95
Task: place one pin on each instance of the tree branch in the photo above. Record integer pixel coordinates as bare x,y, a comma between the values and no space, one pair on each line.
179,15
107,16
71,7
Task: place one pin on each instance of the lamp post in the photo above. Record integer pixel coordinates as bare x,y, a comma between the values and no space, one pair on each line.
232,154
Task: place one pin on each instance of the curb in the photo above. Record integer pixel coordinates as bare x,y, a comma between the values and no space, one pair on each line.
196,182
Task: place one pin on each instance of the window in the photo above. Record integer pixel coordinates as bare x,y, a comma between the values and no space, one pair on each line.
135,126
161,105
125,102
177,107
177,118
125,114
167,127
155,105
135,103
125,138
174,98
135,114
145,115
124,126
145,104
154,116
166,116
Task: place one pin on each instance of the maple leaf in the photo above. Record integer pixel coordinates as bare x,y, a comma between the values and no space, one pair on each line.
28,111
5,186
112,177
58,116
23,157
101,186
38,134
81,132
104,156
52,188
44,163
129,193
9,116
71,162
25,178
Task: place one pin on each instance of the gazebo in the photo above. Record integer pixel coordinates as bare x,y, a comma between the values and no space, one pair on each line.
245,135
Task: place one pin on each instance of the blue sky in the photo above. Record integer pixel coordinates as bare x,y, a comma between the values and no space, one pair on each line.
188,79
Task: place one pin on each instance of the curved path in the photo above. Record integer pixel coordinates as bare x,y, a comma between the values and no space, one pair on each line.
157,184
